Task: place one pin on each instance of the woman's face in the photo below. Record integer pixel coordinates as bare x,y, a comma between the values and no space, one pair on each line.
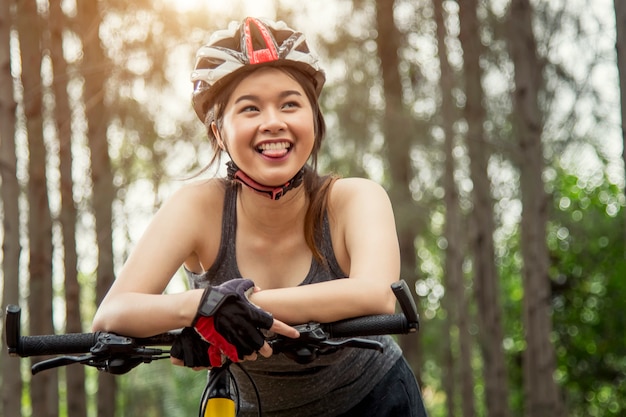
268,126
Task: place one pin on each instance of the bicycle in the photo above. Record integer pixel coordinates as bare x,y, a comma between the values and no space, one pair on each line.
118,354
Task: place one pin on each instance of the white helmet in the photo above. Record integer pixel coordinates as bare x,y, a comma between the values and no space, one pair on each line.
252,42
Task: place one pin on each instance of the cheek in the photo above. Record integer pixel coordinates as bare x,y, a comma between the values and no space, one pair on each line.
229,133
310,131
306,125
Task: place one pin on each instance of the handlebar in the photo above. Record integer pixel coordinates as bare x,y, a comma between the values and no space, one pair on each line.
119,354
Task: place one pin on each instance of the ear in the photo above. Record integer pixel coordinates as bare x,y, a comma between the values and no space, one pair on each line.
218,136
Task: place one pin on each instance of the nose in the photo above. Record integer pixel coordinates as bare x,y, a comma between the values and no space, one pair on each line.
272,122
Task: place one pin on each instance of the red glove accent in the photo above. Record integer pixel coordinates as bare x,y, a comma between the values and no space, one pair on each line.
205,327
235,318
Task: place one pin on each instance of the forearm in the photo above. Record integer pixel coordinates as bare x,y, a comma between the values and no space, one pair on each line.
142,315
327,301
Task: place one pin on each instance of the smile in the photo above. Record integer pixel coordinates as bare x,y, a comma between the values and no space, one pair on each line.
274,149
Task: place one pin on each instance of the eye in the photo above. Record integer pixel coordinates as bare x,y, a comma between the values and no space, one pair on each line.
291,104
249,108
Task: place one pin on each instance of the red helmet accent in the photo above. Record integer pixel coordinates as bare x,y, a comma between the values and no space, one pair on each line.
259,56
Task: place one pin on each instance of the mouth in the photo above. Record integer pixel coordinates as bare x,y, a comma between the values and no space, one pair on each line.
274,149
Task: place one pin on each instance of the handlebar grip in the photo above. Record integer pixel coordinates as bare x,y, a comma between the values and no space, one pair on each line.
369,326
12,327
25,346
60,344
406,301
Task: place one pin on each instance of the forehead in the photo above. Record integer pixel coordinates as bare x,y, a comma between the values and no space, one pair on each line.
266,80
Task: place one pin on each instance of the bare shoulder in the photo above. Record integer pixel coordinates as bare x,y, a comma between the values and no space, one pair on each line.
200,195
196,203
192,218
359,204
363,230
355,191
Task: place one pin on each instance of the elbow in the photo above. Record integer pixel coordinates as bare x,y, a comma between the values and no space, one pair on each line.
389,304
99,323
384,301
104,319
375,298
383,305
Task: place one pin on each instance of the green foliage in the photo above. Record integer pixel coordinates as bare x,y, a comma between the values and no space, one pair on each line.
512,293
586,241
159,389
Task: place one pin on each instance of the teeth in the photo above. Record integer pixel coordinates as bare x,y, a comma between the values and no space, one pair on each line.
274,146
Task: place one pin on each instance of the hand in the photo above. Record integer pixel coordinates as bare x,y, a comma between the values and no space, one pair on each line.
230,323
190,350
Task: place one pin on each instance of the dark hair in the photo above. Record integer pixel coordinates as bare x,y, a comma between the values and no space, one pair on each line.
316,187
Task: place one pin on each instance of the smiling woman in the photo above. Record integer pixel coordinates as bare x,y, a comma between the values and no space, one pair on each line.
319,248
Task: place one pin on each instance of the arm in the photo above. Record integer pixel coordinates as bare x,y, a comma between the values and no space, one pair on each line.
364,239
135,305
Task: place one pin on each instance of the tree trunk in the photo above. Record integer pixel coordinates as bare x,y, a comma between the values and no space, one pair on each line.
44,390
620,46
75,375
453,230
455,300
11,390
94,68
486,289
541,394
398,138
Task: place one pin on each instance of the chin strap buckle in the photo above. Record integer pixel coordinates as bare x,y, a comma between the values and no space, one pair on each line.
273,193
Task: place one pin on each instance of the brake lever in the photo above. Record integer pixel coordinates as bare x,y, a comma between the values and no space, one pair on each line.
314,341
114,358
59,361
353,342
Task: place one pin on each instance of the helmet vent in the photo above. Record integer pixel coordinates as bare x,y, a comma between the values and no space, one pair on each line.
209,63
303,47
256,37
259,42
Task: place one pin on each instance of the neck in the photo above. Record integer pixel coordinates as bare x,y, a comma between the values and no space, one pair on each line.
272,192
267,216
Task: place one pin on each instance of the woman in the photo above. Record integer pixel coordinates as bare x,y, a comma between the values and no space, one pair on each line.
316,248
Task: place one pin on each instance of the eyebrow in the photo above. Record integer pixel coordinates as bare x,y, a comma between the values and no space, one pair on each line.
282,94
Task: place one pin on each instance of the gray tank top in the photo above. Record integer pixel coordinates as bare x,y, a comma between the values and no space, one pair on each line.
328,386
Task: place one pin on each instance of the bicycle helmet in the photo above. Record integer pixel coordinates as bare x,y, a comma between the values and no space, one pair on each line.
251,42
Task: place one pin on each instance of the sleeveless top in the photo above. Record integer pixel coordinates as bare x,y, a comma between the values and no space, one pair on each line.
331,384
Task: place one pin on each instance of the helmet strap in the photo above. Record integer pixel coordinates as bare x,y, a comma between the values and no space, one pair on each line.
272,192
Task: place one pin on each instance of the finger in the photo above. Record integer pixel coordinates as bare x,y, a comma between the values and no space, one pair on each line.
284,329
180,362
266,350
176,361
251,357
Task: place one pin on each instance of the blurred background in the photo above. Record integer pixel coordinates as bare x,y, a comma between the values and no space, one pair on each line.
495,126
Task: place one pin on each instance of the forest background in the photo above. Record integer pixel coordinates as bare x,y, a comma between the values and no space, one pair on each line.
495,125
